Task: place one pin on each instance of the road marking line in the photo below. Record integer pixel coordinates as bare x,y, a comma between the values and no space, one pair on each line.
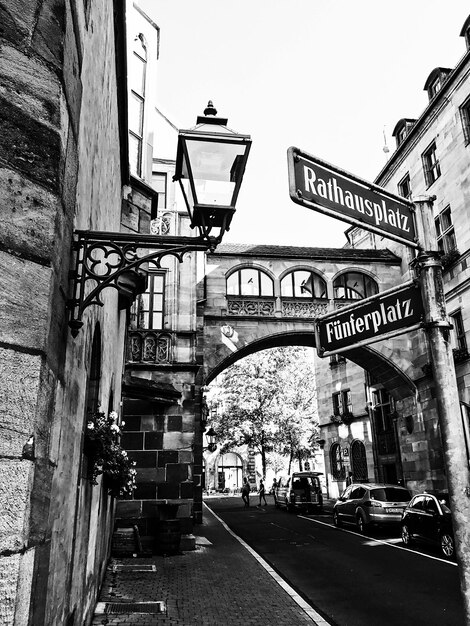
309,610
372,540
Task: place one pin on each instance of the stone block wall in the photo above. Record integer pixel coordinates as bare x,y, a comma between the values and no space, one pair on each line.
59,170
161,445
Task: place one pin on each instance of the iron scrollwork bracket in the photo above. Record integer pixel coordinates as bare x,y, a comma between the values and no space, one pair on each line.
105,259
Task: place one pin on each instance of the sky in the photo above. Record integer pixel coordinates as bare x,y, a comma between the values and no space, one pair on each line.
331,77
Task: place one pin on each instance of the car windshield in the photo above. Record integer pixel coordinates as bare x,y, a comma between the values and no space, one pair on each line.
390,494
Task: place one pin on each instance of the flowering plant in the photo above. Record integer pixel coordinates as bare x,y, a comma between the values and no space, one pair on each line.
106,455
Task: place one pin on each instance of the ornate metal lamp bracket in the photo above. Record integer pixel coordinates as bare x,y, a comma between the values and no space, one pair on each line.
103,259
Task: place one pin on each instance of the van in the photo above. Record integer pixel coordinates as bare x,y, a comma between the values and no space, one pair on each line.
300,491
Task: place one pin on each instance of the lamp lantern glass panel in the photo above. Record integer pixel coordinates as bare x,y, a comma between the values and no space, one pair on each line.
210,164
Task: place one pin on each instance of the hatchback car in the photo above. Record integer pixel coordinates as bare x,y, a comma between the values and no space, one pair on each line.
427,517
371,504
300,491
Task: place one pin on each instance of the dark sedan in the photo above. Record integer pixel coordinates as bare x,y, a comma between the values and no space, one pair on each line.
427,517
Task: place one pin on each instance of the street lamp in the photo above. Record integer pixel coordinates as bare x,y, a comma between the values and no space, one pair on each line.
210,163
211,445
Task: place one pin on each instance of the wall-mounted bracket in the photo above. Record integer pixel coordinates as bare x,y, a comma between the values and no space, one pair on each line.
106,259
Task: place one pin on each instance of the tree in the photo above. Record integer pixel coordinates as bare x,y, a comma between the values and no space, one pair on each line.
267,402
299,421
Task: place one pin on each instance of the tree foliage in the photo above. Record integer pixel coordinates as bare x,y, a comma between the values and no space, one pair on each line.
268,402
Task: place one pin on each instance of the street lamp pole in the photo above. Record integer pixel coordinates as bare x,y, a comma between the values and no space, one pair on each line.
437,328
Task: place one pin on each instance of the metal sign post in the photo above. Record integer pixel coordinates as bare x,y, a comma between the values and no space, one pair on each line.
437,327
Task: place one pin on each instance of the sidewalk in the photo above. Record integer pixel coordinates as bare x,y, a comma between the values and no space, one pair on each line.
221,583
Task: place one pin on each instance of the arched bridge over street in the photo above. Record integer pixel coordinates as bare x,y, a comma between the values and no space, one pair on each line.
262,296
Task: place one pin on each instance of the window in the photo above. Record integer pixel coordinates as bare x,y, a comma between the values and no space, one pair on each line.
434,87
337,468
337,359
342,402
354,286
404,187
151,303
137,72
249,282
465,117
159,183
445,231
432,169
458,333
359,461
383,422
303,284
357,493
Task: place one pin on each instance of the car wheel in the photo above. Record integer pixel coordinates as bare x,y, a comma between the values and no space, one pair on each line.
336,520
406,536
361,524
447,545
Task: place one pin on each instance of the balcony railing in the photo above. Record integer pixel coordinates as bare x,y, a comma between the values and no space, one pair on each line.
304,307
258,307
150,346
265,307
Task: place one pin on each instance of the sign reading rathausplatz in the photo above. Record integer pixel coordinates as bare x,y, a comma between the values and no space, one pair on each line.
388,314
322,187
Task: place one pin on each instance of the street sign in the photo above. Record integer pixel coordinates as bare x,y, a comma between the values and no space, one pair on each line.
322,187
387,314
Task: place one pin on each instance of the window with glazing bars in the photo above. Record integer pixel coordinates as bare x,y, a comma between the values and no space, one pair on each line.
465,117
431,166
458,332
342,402
151,307
136,74
445,231
354,286
404,187
249,282
303,284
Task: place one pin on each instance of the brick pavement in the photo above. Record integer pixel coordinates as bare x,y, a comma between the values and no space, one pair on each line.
219,584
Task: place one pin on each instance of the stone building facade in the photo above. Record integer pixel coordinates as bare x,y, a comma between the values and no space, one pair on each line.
63,167
431,158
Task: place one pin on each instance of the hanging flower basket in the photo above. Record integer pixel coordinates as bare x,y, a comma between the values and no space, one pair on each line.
106,456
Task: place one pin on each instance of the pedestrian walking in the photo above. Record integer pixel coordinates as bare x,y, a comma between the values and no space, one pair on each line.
273,490
246,492
261,493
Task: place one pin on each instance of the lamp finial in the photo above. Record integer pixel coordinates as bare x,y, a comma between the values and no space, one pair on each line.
210,109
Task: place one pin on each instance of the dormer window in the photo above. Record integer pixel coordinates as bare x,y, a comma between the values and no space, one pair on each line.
402,130
465,32
436,80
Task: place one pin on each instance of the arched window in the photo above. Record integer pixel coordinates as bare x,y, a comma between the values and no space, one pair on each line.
354,286
249,282
337,468
303,284
359,461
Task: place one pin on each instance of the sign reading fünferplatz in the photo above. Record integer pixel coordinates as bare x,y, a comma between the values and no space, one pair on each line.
322,187
388,314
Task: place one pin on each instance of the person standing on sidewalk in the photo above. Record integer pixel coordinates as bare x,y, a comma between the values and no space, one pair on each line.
246,492
261,493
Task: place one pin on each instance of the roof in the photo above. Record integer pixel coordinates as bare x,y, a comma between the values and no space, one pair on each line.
294,252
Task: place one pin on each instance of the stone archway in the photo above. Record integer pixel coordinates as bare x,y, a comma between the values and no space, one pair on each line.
397,382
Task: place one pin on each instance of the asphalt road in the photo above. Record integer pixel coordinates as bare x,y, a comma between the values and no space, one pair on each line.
351,579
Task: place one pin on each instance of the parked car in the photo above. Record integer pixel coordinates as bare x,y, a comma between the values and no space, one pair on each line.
428,518
300,491
366,504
